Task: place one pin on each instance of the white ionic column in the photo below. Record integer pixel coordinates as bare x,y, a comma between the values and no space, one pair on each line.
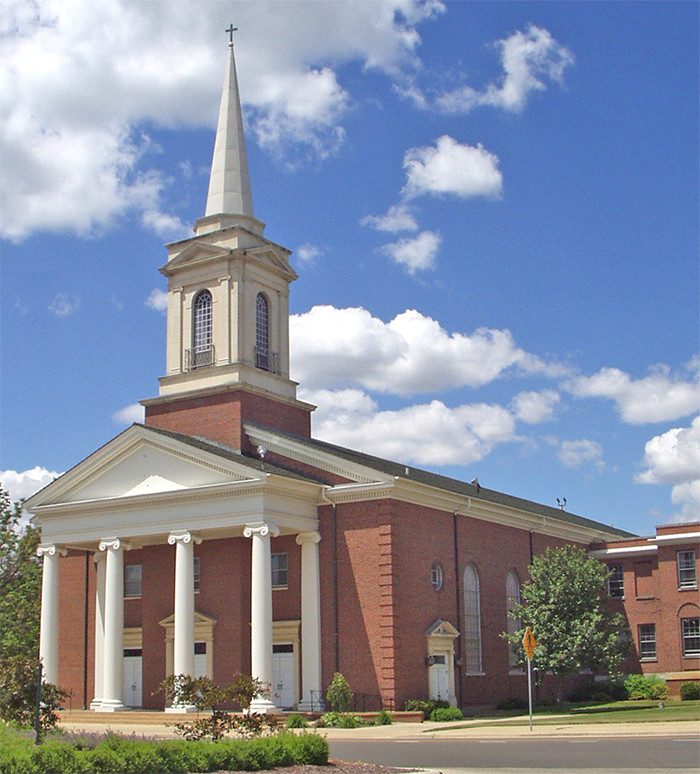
100,562
261,610
310,622
48,635
112,699
183,634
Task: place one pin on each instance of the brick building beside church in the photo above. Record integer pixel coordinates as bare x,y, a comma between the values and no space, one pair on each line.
220,536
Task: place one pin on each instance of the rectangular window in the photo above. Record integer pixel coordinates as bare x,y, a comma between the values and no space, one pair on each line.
690,630
279,571
687,578
616,581
196,575
132,581
647,641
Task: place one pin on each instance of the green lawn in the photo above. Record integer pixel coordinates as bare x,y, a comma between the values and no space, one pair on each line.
615,712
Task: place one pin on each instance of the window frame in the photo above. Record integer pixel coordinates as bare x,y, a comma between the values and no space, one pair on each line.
694,634
473,651
197,573
130,569
616,583
262,332
202,329
646,640
684,568
437,576
513,588
276,572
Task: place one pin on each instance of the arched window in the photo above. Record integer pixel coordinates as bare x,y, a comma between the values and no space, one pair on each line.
472,620
202,349
513,624
262,333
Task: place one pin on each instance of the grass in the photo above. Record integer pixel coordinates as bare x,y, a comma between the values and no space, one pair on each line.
615,712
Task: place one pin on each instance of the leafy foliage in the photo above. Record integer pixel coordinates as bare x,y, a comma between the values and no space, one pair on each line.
339,694
203,693
446,714
18,688
20,582
646,687
564,604
690,691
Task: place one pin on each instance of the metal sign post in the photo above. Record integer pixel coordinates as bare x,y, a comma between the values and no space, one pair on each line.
529,644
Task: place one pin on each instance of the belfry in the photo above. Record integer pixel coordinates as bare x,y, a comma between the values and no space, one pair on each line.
218,536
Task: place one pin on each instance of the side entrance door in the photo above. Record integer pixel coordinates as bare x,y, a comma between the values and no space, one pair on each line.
133,676
439,679
283,675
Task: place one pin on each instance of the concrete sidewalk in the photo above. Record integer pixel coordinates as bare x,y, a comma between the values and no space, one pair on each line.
160,725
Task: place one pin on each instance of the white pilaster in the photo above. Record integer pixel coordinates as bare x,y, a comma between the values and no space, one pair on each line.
100,563
310,622
183,634
48,636
261,610
112,699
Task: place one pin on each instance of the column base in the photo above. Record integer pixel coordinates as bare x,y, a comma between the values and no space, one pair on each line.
96,705
264,706
180,709
306,705
111,705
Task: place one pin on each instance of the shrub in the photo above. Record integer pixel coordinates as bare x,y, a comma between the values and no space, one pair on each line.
646,687
339,694
690,691
383,718
350,721
329,720
18,683
296,721
445,714
512,704
419,705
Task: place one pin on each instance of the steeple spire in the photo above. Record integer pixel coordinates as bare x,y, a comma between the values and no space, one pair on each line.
230,198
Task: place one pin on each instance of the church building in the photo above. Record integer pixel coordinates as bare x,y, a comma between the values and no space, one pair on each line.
219,536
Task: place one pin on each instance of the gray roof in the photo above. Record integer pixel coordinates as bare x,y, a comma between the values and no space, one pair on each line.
410,473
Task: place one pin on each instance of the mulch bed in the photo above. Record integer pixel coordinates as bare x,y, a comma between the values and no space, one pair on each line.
336,767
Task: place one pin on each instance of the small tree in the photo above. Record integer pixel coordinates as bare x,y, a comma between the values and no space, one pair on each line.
339,694
564,604
18,688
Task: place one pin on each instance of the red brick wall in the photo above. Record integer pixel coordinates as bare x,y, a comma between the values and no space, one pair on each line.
219,416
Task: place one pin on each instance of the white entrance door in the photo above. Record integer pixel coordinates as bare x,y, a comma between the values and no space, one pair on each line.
200,659
133,674
283,675
439,679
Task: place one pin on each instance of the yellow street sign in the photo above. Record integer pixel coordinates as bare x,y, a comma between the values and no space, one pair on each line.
529,643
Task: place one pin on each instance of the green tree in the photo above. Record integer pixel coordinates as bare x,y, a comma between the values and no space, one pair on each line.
564,603
20,583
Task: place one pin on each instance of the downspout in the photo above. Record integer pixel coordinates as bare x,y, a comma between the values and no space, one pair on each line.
85,631
459,608
336,627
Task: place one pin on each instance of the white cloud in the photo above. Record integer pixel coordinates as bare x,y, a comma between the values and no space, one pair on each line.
23,484
79,79
423,434
398,218
134,412
530,59
535,407
307,254
412,353
64,304
416,253
166,226
157,300
674,458
659,397
573,454
450,168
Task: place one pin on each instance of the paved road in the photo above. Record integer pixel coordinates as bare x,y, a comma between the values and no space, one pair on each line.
572,754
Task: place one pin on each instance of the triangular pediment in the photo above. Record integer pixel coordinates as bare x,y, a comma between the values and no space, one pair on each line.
196,252
142,462
442,629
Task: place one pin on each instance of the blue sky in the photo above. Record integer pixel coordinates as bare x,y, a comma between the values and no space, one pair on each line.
493,209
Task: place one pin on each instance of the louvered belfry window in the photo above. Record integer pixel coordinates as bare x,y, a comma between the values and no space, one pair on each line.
202,333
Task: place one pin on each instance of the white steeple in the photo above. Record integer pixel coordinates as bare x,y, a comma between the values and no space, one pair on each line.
230,200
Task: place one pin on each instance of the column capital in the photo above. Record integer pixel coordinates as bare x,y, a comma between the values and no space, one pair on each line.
261,528
50,549
114,543
307,537
184,536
